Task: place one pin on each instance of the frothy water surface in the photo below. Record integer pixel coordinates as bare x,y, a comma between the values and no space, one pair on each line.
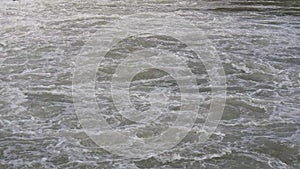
257,42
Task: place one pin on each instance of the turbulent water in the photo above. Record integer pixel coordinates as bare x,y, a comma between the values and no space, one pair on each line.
256,41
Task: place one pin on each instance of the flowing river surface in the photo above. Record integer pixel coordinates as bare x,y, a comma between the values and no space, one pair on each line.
258,43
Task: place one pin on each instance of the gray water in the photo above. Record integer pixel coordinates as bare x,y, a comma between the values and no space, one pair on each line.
257,42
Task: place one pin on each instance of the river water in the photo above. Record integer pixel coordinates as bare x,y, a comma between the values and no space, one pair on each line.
258,46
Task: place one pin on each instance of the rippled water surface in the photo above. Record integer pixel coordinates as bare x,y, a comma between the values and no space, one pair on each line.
257,42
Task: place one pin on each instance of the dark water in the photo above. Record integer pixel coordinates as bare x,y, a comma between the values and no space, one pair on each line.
257,42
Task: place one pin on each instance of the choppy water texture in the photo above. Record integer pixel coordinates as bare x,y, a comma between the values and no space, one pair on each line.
257,42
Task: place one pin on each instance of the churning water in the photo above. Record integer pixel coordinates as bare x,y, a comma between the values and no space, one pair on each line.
257,43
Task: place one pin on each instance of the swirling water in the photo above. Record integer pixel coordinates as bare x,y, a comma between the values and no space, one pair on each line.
257,42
